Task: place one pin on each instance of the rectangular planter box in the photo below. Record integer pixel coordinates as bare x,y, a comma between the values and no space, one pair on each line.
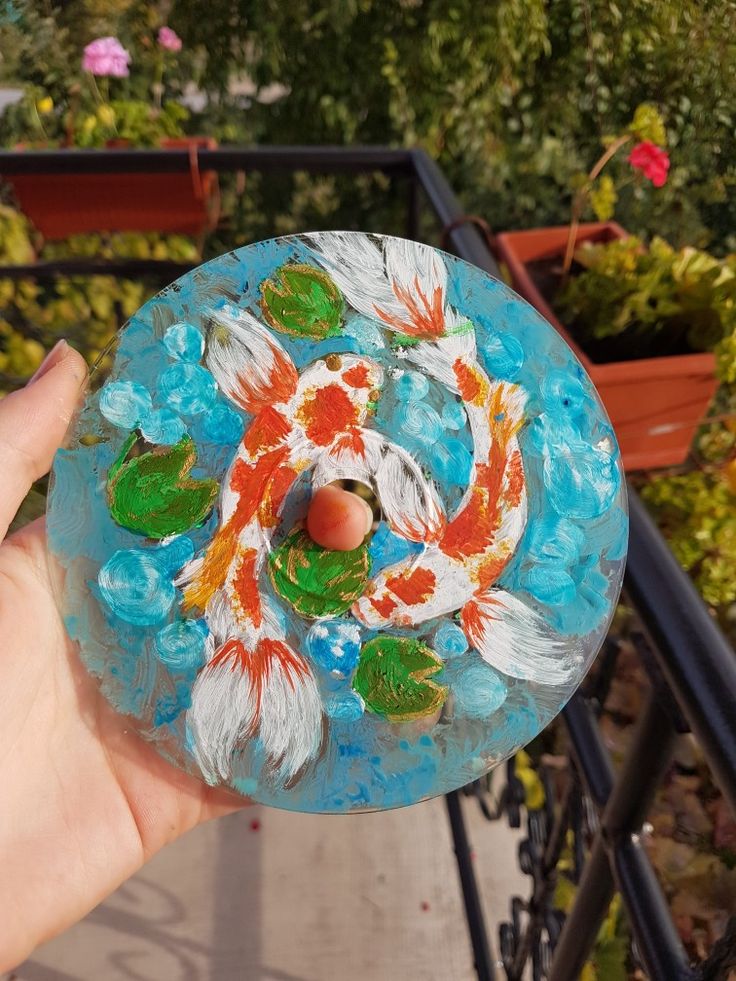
655,404
72,204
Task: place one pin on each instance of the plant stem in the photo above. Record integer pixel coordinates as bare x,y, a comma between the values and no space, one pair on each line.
37,117
581,197
158,85
95,89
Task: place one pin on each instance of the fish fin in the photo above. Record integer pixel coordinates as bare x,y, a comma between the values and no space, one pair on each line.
438,358
268,691
409,500
356,264
224,710
247,361
506,405
515,639
401,283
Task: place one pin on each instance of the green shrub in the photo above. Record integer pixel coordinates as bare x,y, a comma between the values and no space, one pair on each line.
697,514
652,298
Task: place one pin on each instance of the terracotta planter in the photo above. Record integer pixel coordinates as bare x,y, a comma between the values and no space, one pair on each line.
74,203
655,404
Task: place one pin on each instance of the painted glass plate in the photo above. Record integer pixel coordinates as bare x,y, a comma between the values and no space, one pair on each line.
339,681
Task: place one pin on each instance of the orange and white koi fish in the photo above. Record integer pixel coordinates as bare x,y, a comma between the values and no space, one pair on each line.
404,285
254,683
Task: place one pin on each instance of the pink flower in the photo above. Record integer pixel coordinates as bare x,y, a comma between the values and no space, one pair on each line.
169,39
651,160
106,56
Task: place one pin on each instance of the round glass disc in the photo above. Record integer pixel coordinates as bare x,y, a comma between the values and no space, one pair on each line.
339,681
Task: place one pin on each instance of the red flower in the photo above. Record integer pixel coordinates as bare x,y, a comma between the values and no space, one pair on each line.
651,160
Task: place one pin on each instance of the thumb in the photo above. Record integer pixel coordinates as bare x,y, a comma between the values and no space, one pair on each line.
33,423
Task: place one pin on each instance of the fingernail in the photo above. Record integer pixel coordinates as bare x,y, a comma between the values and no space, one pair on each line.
55,355
368,515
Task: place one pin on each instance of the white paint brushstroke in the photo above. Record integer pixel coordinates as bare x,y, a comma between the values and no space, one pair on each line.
243,356
226,709
222,715
437,358
516,640
356,264
373,278
409,500
290,722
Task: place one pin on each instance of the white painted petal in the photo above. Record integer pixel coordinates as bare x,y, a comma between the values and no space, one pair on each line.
515,639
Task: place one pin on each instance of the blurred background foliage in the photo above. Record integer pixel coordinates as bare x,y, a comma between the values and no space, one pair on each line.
513,98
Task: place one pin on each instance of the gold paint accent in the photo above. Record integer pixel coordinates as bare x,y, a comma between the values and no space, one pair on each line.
333,362
212,575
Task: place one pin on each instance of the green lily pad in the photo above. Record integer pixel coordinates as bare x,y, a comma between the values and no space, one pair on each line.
317,581
153,494
306,302
394,678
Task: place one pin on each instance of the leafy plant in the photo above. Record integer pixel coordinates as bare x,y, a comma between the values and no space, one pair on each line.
697,514
134,122
86,310
652,298
647,157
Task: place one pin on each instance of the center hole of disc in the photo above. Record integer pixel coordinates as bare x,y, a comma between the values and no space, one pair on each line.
365,492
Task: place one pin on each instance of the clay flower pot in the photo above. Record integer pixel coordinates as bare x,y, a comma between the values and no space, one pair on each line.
75,203
655,404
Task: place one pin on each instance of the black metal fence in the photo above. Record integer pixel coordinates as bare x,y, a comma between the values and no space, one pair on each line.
691,666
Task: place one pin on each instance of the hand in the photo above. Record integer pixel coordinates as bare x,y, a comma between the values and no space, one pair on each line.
85,802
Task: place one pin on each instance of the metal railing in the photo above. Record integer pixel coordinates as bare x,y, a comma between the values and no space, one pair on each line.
691,666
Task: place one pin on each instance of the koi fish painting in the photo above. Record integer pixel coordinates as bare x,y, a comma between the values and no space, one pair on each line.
339,681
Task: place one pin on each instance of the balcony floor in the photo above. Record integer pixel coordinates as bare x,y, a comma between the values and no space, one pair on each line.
301,898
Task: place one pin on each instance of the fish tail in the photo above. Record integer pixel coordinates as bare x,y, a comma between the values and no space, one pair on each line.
265,689
515,639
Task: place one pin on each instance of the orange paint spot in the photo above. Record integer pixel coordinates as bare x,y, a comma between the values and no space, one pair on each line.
357,376
275,493
414,587
514,480
269,428
284,377
474,529
384,606
246,588
351,442
326,413
471,384
250,481
253,395
490,570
